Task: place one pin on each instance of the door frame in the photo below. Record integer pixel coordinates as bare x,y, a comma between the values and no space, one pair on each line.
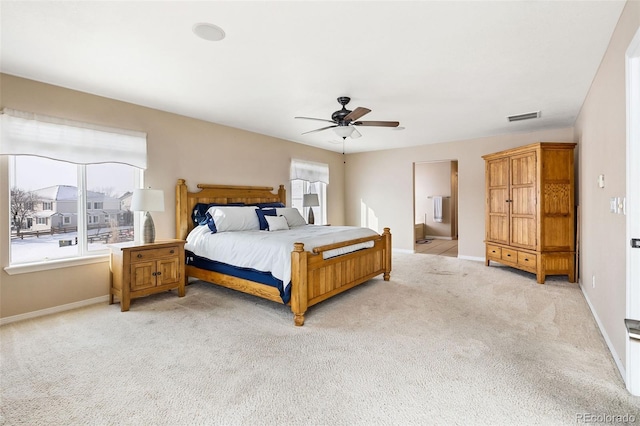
632,201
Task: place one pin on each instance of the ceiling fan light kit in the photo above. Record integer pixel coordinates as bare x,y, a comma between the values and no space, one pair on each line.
344,120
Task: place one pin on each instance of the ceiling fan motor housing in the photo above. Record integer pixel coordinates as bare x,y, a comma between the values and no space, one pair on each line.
339,115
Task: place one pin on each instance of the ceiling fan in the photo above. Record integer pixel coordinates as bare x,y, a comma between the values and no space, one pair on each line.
344,121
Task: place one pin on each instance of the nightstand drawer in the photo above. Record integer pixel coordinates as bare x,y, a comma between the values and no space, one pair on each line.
152,254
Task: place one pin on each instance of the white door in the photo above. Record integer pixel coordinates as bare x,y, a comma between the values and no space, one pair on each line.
633,208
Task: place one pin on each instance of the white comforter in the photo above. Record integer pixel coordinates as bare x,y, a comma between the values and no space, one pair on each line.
271,251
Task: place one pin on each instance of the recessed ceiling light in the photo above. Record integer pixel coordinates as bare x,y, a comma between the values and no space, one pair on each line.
208,32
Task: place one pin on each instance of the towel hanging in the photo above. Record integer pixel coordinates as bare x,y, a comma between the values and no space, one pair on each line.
437,208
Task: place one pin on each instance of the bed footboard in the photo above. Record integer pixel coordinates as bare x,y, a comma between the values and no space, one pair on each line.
315,279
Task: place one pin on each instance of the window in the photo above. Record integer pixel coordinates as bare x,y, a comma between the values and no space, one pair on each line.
310,178
63,190
38,239
301,187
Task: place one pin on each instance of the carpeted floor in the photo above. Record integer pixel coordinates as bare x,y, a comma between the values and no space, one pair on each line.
446,341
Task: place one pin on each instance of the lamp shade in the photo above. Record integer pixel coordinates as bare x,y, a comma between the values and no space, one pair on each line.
147,200
310,200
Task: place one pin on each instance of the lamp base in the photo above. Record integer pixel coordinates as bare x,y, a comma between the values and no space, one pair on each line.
310,219
148,229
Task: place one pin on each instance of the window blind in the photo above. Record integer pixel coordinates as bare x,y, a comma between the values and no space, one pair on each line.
24,133
309,171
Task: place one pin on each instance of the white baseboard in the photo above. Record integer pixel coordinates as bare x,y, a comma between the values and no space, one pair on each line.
474,258
436,237
397,250
614,354
54,310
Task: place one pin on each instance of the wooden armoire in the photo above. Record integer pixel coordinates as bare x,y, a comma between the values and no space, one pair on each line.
529,213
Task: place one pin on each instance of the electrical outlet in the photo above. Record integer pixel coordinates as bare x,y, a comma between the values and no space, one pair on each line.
593,281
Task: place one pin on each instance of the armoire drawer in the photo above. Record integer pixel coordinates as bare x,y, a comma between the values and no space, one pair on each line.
527,259
509,255
494,252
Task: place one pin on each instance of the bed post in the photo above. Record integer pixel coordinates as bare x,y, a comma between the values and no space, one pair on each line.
387,255
181,210
282,193
298,283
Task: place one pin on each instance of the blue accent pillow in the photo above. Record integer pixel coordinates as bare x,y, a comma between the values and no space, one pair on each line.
267,205
199,211
261,214
210,223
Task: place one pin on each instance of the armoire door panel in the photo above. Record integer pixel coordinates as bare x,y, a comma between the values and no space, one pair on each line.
523,169
498,229
498,172
499,200
523,231
523,200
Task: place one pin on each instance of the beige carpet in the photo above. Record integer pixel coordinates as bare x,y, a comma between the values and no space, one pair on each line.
446,341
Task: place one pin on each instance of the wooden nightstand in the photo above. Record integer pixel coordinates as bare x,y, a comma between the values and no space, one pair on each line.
139,269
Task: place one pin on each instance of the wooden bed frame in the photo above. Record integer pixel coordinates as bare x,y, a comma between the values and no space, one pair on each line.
313,279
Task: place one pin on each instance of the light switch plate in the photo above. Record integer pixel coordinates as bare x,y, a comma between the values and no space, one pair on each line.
601,181
613,205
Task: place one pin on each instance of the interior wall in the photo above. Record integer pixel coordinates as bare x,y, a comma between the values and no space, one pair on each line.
178,147
601,132
374,180
431,179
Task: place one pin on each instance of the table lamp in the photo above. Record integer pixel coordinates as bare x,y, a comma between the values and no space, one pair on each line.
311,201
148,200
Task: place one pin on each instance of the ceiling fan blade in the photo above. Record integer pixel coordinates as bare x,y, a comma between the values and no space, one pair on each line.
377,123
356,113
321,129
317,119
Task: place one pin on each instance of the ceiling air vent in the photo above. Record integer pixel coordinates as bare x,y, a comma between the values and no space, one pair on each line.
527,116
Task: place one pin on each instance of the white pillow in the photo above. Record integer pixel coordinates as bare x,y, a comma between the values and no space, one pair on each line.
294,218
277,223
234,218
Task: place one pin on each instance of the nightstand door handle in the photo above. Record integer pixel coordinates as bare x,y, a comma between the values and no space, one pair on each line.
139,256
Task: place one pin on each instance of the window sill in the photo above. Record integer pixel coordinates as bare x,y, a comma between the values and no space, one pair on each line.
27,268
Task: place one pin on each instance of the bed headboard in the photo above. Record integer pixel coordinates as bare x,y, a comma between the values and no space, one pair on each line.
220,194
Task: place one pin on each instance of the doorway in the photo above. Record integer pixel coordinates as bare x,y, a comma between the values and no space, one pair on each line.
632,378
435,186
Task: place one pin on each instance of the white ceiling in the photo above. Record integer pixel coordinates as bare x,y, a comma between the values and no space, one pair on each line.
447,70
